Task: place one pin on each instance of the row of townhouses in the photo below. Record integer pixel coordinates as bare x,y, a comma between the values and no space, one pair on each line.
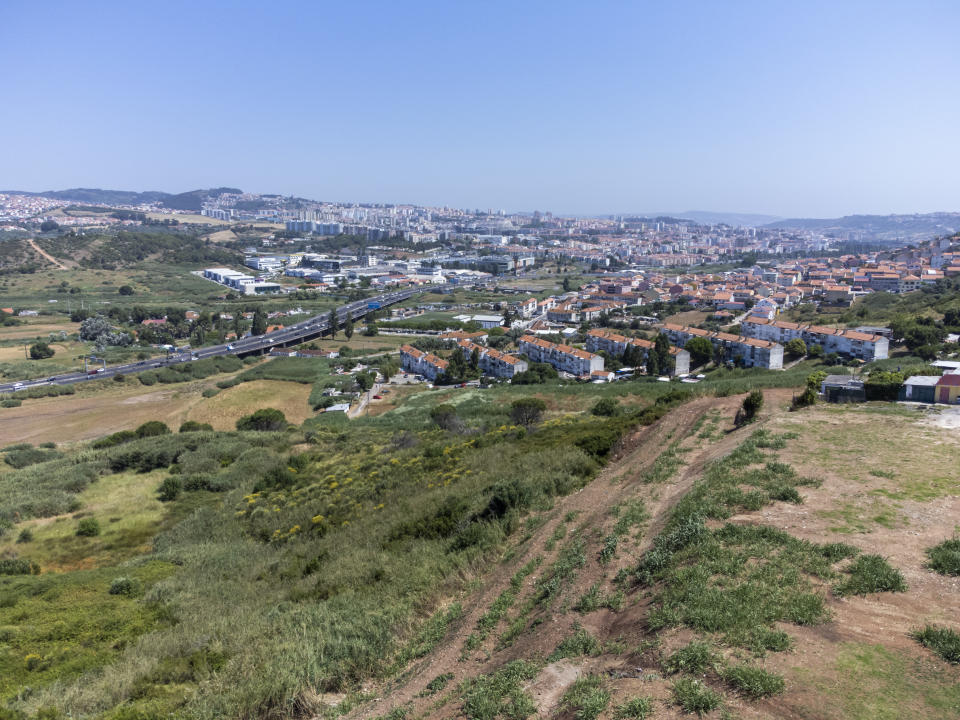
615,344
865,346
422,363
563,357
752,352
493,362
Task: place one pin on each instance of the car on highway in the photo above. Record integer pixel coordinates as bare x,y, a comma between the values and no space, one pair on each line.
230,347
17,385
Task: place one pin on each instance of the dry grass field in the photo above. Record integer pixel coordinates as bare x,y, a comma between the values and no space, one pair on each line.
225,408
74,418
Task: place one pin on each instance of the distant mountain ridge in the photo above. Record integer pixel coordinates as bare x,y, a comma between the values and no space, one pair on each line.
887,227
191,200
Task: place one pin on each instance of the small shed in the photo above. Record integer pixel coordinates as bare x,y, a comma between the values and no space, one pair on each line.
919,388
948,388
842,388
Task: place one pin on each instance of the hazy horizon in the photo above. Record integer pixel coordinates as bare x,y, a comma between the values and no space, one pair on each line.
811,111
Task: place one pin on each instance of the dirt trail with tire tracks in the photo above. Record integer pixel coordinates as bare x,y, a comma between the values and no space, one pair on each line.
619,481
46,256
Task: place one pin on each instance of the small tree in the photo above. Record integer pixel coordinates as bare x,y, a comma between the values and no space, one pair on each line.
606,407
365,380
265,419
371,329
41,350
750,408
445,416
348,328
259,326
125,290
151,429
796,348
815,351
170,488
700,349
88,527
527,411
332,320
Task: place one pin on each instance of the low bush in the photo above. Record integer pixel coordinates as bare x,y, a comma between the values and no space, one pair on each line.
943,641
117,438
695,697
170,488
125,586
264,420
945,557
753,682
29,456
152,428
18,566
194,426
501,694
586,698
88,527
695,659
870,574
638,708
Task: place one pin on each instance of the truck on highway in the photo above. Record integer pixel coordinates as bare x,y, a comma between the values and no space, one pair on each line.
373,305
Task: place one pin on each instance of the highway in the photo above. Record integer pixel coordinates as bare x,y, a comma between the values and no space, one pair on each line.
260,344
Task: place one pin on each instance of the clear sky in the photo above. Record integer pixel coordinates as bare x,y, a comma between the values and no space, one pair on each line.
787,108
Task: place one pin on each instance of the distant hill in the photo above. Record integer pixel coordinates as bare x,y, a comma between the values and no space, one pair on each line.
192,200
705,217
881,227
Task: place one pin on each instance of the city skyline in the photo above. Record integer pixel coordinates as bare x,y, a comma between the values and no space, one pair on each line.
816,112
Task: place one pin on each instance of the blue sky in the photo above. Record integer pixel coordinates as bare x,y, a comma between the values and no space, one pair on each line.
786,108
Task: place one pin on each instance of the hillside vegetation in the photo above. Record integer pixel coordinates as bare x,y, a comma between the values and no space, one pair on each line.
456,557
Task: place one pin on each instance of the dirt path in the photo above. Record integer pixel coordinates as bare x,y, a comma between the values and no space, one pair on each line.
619,481
47,256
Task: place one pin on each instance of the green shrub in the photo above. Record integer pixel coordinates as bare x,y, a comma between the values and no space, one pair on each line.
501,694
265,420
18,566
638,708
586,698
88,527
527,411
117,438
170,488
147,378
945,557
210,392
194,426
438,683
29,456
870,574
125,586
25,536
694,697
606,407
152,428
753,682
695,659
580,644
11,402
943,641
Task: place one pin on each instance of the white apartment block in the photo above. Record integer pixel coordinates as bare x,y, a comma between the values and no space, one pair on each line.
616,344
856,344
563,357
752,352
491,361
419,362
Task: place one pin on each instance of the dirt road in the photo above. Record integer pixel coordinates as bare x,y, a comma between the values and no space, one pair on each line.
47,256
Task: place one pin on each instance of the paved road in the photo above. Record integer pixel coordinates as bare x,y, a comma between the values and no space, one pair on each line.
292,335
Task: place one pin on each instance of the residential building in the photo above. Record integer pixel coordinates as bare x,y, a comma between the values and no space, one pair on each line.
421,363
616,344
563,357
751,352
493,362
